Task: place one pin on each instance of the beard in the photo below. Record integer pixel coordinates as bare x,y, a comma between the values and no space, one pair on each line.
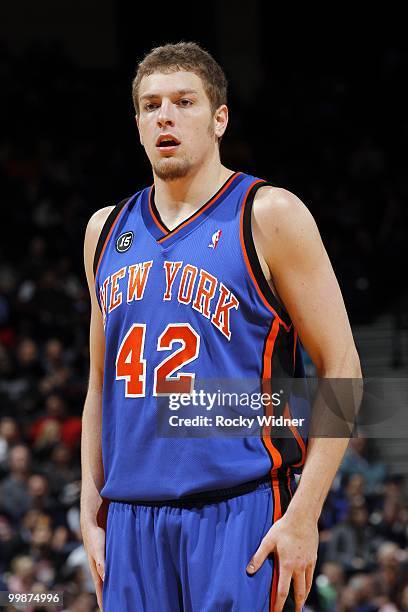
171,169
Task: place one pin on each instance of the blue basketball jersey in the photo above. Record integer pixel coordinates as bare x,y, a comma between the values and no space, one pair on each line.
178,306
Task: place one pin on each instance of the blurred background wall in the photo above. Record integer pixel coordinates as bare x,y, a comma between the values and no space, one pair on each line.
318,106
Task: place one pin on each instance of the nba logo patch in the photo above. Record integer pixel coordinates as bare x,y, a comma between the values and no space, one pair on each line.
215,238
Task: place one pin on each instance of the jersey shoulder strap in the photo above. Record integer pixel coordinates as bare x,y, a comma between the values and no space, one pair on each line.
252,255
110,220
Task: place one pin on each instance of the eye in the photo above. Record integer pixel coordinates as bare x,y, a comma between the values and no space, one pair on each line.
150,106
185,102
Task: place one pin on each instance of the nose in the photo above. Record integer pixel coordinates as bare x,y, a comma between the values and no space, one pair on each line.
165,114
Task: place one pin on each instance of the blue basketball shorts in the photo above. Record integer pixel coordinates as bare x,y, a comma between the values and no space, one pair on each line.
193,558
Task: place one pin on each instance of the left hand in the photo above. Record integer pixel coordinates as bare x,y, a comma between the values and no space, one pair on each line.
294,541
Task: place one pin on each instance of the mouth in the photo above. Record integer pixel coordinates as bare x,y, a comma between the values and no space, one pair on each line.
167,142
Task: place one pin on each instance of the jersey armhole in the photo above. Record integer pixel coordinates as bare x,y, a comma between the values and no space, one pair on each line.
104,235
252,260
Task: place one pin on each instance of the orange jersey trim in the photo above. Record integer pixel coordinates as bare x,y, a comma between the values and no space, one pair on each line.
195,215
266,376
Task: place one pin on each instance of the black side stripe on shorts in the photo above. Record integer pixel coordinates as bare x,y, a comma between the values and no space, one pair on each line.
105,231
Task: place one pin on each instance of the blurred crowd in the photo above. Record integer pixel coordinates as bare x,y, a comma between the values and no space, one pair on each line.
63,154
363,551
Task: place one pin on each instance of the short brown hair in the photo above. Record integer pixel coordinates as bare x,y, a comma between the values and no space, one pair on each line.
184,56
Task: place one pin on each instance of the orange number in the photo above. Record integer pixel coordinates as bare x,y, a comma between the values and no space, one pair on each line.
164,382
131,367
129,363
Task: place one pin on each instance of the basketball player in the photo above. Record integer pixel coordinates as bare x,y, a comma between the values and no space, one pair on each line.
208,273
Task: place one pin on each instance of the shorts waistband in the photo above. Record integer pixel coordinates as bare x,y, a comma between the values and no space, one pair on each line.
209,497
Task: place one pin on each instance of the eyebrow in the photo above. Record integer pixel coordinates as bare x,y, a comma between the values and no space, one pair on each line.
179,92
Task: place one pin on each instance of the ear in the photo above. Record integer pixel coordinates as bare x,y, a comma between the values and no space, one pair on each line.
220,120
137,123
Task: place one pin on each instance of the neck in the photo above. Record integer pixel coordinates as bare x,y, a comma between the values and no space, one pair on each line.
191,191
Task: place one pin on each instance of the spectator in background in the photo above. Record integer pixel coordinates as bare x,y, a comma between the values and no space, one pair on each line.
60,469
358,461
22,385
28,363
62,545
38,491
391,575
57,371
35,263
393,487
21,579
11,542
391,523
9,436
348,600
329,584
351,541
41,550
54,356
6,364
43,501
361,585
14,494
28,372
404,599
85,602
55,427
7,292
354,489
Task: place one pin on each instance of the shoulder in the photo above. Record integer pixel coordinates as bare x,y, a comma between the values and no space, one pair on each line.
284,228
281,213
276,205
92,234
96,223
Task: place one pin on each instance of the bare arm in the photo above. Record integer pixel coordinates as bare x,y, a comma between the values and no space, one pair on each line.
91,450
292,253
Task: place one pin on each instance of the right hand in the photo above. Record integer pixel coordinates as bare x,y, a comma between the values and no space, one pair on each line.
94,543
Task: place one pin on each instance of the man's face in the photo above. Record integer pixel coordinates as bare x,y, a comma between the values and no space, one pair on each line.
176,106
